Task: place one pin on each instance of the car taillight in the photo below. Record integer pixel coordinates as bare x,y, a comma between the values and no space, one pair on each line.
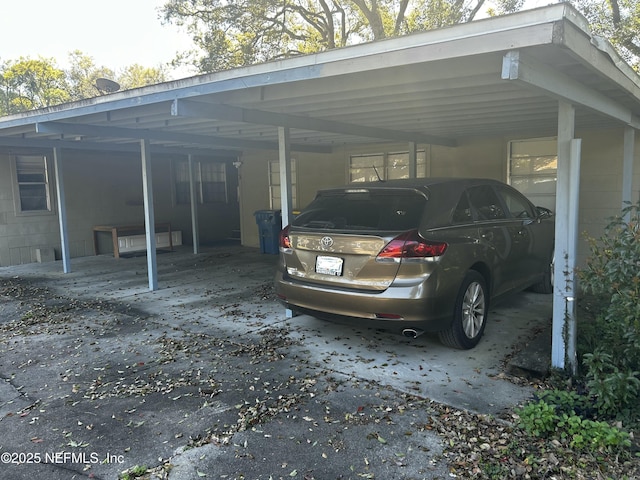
285,241
411,245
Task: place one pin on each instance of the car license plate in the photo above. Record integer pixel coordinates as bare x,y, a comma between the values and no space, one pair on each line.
329,265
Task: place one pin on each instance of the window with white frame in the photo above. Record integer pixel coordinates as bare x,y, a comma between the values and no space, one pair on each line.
533,166
33,192
210,182
366,168
384,166
275,193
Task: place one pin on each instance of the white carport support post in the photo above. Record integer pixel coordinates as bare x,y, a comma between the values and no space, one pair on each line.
627,166
194,207
62,210
563,348
286,197
284,148
149,216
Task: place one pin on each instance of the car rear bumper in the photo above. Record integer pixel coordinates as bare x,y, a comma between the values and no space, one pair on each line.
397,307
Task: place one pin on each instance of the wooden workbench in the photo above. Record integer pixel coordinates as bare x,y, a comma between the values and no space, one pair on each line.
118,230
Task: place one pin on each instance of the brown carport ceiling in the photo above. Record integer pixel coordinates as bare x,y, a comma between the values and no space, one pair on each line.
434,87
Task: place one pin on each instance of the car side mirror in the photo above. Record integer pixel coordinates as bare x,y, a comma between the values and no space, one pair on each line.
544,212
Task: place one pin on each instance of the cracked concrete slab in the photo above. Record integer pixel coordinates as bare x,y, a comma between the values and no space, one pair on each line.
207,376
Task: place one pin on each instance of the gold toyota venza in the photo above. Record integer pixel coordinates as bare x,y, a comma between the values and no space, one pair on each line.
415,255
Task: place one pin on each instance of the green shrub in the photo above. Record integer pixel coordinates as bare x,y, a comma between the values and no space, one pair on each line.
583,434
538,419
615,390
554,415
567,401
611,351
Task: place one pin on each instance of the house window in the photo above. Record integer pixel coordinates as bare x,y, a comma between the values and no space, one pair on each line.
213,182
384,166
366,168
210,182
32,177
275,193
533,166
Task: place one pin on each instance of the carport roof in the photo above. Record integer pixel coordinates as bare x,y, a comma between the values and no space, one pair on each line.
497,76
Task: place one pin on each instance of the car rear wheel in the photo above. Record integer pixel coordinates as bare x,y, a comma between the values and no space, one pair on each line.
470,313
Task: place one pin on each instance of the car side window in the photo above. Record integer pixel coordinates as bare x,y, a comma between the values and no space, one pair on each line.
486,203
462,212
516,204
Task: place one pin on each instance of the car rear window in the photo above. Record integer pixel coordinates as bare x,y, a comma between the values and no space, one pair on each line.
363,210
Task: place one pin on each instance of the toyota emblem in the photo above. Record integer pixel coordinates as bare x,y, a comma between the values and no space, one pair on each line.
326,242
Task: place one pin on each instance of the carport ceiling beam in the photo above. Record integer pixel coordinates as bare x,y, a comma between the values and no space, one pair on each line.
189,108
99,131
109,147
530,72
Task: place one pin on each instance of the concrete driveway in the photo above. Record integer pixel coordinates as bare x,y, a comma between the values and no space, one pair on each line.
207,377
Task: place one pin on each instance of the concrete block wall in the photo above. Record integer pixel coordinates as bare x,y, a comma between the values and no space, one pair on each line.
22,234
104,189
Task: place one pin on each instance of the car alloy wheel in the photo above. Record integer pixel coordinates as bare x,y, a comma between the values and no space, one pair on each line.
470,313
473,308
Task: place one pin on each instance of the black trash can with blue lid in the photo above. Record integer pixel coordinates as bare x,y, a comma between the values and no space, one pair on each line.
269,226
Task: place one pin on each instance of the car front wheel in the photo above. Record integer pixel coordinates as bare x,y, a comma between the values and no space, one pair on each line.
469,315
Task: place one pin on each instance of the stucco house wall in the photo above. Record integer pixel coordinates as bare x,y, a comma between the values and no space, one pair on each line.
314,171
601,183
473,157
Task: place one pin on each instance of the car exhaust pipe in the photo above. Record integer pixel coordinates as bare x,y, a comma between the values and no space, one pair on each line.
412,332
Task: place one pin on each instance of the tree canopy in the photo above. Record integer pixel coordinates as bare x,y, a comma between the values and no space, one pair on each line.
619,22
243,32
27,84
231,34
